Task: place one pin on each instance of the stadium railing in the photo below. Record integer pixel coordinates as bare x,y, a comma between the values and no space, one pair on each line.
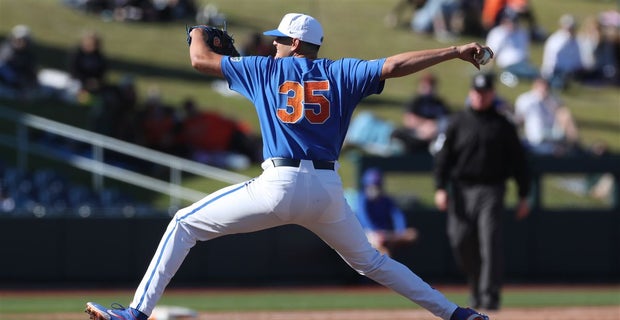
22,140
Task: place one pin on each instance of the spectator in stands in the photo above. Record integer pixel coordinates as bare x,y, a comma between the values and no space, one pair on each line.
424,117
158,126
467,19
443,18
398,16
548,125
217,140
88,64
210,15
599,42
18,65
562,55
481,151
384,222
132,10
168,10
434,18
492,15
113,113
89,6
373,135
127,104
137,10
511,44
113,109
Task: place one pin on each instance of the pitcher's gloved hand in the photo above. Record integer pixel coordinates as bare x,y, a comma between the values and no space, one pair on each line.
217,39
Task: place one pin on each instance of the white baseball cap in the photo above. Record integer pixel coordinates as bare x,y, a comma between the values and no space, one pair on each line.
20,31
300,26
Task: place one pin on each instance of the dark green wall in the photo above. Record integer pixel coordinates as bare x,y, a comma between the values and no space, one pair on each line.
568,246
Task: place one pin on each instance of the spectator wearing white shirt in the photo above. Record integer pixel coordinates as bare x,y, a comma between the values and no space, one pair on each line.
511,44
562,59
548,125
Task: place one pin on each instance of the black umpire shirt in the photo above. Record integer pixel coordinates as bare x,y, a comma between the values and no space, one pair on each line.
481,147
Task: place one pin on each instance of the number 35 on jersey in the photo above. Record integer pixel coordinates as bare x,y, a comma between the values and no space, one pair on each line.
305,100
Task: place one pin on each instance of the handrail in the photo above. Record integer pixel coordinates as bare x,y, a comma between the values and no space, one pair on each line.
99,168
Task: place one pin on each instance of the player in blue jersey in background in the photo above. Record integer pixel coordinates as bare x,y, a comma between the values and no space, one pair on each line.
304,106
383,221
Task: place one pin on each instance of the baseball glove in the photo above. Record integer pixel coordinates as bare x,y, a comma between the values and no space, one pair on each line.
217,39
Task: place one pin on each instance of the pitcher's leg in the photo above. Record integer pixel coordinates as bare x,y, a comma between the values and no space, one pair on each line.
230,210
172,250
348,239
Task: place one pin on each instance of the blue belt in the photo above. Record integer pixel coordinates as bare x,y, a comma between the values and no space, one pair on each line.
318,164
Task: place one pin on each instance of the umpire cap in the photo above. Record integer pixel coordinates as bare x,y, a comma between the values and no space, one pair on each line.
483,81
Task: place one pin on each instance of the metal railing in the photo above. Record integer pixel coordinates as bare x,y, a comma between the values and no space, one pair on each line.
96,163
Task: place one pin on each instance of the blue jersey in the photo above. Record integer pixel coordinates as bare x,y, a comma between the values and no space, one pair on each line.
381,213
304,106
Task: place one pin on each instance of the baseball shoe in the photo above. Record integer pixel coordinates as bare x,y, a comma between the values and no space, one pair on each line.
118,312
467,314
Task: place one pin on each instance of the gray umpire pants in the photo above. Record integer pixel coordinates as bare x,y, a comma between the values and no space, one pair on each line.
474,227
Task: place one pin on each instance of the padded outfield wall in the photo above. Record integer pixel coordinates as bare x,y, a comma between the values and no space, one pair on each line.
567,246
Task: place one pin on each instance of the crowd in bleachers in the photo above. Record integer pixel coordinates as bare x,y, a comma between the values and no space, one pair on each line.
546,124
45,193
137,10
586,51
116,109
447,19
196,132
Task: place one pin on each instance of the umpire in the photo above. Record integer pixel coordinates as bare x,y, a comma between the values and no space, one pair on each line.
480,152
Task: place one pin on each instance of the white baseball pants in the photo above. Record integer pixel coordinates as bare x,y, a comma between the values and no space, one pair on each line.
282,195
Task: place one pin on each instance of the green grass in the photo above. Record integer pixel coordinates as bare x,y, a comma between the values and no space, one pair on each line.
156,54
288,299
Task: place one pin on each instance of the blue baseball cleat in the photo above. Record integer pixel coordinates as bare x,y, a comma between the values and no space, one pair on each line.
118,312
467,314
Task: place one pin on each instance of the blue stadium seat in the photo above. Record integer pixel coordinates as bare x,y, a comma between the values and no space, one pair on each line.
46,193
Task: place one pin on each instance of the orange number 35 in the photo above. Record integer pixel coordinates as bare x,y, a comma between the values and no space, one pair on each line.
306,101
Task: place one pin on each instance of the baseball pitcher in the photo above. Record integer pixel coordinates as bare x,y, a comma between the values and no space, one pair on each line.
304,105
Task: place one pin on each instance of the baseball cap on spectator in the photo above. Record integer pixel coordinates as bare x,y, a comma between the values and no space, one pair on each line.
20,31
483,81
567,21
372,177
299,26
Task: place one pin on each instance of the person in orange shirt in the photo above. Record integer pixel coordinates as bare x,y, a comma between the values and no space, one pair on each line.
492,9
206,134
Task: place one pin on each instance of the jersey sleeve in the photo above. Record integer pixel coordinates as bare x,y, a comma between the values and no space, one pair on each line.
246,74
362,76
